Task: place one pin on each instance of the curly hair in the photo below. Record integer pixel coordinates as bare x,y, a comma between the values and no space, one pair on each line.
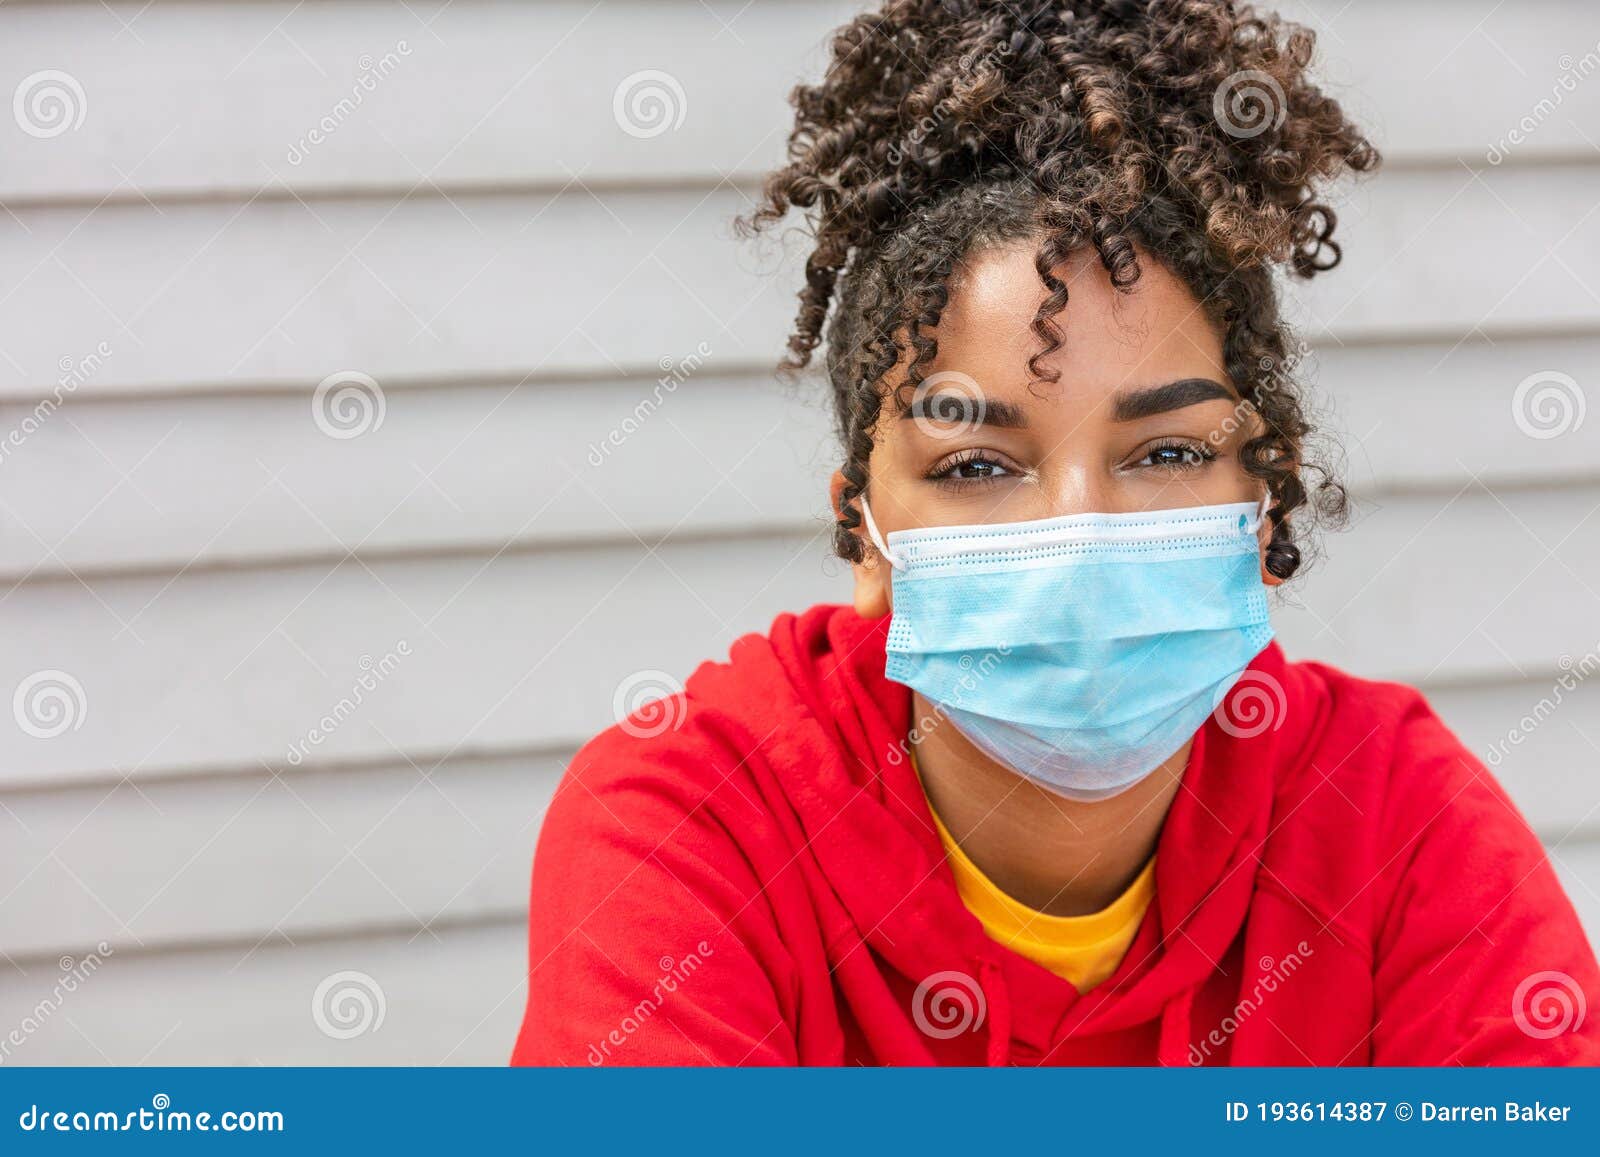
1184,130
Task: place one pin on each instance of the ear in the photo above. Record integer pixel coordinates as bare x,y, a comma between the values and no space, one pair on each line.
872,590
1265,536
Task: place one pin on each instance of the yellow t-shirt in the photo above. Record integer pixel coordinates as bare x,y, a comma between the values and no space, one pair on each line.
1085,950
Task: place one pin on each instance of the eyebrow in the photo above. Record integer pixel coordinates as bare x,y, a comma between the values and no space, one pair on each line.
1131,405
960,406
1127,406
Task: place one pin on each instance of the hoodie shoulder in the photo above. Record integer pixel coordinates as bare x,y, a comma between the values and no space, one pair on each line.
1387,783
719,723
1384,747
1389,732
660,850
1465,913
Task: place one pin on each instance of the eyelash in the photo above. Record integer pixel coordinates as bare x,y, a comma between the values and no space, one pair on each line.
1199,450
944,473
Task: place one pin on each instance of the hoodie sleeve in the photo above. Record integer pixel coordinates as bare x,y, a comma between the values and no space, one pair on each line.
650,942
1480,958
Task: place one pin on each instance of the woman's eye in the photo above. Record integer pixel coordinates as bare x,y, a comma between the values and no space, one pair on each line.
980,468
1178,456
975,468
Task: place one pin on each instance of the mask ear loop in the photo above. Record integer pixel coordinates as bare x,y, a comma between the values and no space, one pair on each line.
1261,513
877,539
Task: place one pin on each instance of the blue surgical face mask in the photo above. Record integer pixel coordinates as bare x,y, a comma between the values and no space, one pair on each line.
1080,651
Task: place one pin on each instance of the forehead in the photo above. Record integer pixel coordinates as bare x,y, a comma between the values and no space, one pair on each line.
1158,331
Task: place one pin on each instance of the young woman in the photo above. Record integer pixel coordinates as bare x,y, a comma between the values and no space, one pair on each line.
1048,793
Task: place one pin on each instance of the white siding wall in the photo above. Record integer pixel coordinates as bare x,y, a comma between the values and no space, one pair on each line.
481,238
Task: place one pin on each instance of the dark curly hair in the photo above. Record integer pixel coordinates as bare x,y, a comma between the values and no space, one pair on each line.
1185,130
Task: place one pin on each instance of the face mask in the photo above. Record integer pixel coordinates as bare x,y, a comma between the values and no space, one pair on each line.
1080,651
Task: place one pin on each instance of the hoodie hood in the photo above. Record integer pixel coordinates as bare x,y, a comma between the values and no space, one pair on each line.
844,769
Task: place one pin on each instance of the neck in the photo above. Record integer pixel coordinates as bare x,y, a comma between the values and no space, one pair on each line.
1059,856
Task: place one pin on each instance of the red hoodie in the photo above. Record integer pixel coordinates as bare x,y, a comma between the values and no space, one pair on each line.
750,875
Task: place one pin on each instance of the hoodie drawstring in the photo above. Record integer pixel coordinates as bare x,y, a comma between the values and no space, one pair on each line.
991,981
1173,1048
